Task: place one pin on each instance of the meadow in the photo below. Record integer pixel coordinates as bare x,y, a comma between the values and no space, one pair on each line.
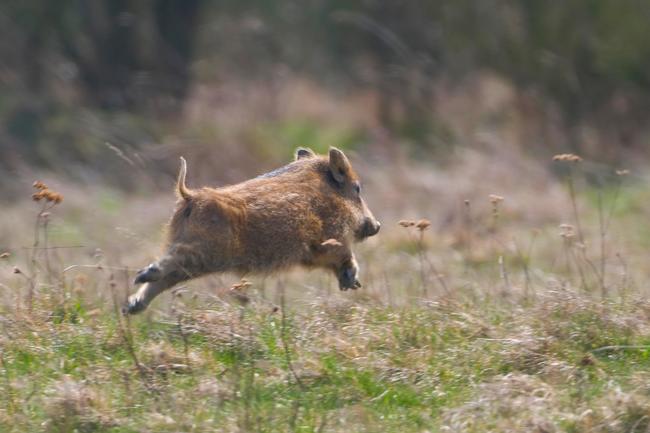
504,293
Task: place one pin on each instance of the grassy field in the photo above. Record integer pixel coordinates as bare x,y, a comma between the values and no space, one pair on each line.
521,307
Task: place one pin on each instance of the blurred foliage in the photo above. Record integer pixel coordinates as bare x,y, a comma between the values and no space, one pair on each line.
65,62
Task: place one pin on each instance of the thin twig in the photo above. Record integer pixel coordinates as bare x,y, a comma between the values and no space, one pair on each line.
98,267
54,247
284,339
574,204
127,337
504,275
621,347
603,235
623,274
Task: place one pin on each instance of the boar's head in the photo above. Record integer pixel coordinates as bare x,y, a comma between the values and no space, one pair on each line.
345,183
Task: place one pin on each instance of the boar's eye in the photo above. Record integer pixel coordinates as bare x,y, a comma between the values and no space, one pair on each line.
357,187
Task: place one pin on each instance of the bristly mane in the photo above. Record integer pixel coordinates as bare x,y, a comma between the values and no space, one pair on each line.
289,168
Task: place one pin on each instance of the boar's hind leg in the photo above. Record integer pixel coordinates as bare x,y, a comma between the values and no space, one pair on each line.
177,266
145,294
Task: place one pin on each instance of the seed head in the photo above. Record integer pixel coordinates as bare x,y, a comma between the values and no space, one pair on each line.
44,193
39,185
567,231
567,157
495,199
52,196
243,284
423,224
406,223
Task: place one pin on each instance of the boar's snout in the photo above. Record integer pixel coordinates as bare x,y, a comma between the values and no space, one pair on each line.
370,228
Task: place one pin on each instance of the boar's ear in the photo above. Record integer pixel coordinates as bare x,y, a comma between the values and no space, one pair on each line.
339,165
303,153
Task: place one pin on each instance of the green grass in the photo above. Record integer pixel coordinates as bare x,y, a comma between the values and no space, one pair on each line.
373,368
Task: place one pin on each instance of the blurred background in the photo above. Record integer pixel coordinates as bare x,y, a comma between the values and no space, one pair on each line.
439,104
92,90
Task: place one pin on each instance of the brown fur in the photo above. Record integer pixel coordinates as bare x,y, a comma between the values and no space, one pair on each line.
306,213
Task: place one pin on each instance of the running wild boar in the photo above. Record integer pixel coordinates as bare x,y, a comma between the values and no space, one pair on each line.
307,213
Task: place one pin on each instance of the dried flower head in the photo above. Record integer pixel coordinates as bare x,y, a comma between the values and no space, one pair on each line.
243,284
567,231
406,223
423,224
39,185
52,196
495,199
567,157
44,193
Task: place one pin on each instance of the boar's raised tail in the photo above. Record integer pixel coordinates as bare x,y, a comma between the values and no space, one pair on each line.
182,190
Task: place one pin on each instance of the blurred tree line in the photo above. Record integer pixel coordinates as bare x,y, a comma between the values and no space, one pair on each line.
588,57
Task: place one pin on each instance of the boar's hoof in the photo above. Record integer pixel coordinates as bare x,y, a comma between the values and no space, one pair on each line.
133,306
148,274
348,279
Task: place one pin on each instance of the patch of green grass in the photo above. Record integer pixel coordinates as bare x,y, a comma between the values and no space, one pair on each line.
401,369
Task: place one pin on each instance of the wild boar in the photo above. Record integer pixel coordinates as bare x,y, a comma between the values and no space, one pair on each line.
306,213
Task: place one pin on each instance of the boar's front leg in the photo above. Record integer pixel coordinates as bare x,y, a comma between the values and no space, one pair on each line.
178,265
339,258
347,273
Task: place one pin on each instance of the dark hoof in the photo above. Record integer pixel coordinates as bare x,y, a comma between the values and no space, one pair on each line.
348,279
133,306
148,274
